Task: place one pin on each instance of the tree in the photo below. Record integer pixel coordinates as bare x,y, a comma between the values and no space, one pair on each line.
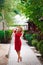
34,10
9,8
6,10
31,8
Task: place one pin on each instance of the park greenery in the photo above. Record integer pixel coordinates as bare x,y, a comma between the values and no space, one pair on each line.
34,10
31,8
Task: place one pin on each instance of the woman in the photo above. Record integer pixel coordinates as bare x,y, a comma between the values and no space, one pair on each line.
18,43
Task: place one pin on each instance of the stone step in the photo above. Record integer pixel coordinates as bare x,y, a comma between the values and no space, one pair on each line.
38,54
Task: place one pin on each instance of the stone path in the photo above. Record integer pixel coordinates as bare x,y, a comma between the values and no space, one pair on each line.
28,56
4,48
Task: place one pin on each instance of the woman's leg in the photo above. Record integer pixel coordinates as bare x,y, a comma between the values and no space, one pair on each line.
19,57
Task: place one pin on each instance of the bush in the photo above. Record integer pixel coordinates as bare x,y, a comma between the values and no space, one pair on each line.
41,36
5,36
1,35
35,36
40,47
28,38
25,31
35,42
8,34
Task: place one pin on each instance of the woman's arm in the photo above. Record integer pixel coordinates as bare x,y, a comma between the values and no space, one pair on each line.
14,31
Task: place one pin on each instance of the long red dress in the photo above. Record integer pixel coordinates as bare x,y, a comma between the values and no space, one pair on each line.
18,41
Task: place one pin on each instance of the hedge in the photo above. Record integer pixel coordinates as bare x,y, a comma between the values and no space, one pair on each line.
40,47
29,38
5,36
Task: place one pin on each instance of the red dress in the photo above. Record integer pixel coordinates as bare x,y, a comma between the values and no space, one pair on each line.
18,41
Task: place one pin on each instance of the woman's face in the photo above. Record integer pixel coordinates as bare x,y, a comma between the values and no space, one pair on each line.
19,29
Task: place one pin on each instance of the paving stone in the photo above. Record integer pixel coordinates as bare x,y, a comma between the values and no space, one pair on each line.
4,48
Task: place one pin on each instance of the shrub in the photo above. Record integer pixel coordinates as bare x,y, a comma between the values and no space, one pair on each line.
1,35
5,36
40,47
35,36
35,42
28,38
25,32
41,35
8,34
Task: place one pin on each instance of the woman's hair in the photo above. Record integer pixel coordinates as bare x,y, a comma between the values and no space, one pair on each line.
20,28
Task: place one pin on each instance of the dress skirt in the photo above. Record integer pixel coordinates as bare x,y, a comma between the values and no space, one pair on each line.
18,41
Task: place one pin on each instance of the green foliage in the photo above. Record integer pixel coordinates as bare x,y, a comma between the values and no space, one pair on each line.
29,38
34,10
8,17
2,3
35,42
0,14
31,8
1,35
35,36
25,31
40,47
8,8
5,36
8,34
